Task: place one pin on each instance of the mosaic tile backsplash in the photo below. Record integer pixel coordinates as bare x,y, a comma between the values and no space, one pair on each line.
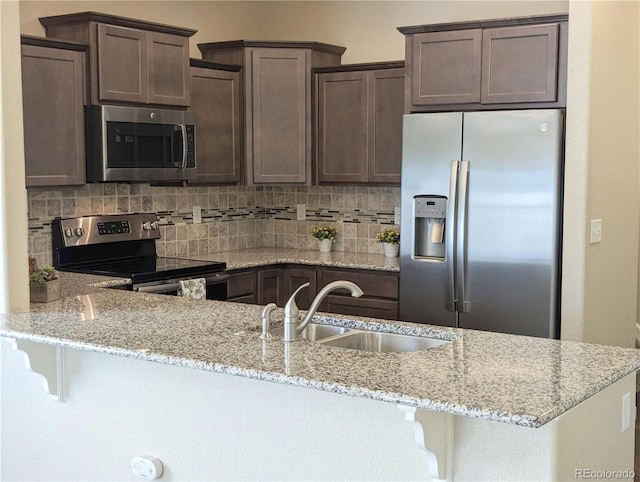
234,217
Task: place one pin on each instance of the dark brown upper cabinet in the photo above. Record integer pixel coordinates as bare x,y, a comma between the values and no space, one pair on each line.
130,61
276,104
215,98
359,112
53,75
493,64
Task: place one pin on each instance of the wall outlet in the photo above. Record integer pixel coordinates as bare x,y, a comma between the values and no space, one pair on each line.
596,231
301,212
197,215
626,412
146,467
396,215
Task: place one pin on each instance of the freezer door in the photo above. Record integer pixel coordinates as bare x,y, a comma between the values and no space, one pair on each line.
430,143
513,221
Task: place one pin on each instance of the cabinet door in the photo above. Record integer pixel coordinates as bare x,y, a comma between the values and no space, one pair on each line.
520,64
296,277
446,67
380,298
122,64
168,69
342,126
53,115
346,305
386,107
278,128
374,284
216,102
270,286
241,287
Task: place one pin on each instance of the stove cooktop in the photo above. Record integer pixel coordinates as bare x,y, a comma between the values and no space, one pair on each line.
149,268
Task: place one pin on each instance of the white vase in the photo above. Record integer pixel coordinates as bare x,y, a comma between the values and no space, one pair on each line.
325,245
391,250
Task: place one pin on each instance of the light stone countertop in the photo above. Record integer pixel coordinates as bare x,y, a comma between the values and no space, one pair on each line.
514,379
251,258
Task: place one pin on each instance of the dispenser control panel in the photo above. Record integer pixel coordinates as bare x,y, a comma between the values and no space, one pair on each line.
430,207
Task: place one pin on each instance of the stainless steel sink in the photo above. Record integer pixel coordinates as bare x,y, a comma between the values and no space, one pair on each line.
383,342
315,331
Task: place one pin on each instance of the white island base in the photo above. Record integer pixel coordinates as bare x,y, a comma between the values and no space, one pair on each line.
210,426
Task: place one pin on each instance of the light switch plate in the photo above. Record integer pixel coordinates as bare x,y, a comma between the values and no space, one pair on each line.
596,231
396,215
197,215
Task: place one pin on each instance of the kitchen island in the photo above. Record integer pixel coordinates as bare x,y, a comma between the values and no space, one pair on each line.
148,374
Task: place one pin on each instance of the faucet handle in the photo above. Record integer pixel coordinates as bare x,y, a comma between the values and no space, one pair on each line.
291,308
266,320
291,316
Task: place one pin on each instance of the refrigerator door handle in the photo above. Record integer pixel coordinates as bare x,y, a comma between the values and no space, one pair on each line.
449,237
461,237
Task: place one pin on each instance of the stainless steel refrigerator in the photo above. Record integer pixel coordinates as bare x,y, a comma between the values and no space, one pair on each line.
481,220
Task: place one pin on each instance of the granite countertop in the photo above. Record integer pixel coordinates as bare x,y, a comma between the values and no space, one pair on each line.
250,258
514,379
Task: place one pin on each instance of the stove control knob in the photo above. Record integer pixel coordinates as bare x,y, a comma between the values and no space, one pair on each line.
154,225
146,226
79,231
68,232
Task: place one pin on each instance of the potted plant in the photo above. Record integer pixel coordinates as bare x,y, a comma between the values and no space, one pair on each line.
44,285
390,239
326,235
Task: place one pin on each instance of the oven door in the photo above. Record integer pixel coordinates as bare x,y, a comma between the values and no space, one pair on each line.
216,287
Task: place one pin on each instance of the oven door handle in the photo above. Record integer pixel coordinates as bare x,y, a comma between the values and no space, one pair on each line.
167,287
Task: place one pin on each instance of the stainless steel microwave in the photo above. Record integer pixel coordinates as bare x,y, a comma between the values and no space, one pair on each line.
134,144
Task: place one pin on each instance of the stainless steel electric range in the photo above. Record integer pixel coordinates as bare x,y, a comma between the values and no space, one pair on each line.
124,245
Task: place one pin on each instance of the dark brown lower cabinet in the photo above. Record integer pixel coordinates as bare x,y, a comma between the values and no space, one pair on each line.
270,288
380,299
364,306
241,287
296,277
275,284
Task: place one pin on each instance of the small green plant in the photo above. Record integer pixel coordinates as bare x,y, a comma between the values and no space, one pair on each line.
324,232
389,235
41,275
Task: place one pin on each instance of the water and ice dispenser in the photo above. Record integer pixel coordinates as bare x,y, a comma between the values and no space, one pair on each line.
430,213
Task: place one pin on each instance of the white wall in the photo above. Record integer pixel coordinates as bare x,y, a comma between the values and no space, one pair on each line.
210,426
14,293
202,425
600,281
366,28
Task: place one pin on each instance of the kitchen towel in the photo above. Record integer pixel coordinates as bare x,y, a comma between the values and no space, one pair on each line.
193,288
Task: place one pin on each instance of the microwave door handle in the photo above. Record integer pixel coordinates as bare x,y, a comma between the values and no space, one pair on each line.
183,130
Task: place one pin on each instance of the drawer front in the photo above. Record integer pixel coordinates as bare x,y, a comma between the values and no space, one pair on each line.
241,284
346,305
249,299
374,284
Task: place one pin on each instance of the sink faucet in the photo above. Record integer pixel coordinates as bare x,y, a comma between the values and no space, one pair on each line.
266,320
292,328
